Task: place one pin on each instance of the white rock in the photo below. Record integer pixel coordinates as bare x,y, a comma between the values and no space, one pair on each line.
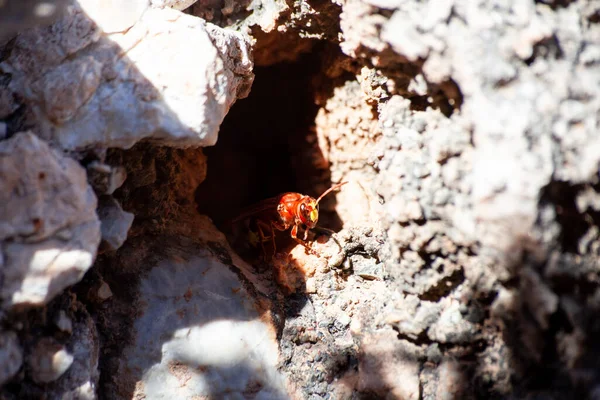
49,230
105,179
36,272
115,222
451,327
48,361
114,15
169,77
62,91
63,322
199,333
80,381
404,38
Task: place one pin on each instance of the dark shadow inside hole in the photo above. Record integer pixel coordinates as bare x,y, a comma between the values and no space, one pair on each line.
261,140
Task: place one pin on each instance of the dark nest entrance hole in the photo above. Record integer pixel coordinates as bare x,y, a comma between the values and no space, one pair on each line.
267,145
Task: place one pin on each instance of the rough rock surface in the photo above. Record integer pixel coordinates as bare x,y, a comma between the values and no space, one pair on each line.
283,30
11,356
476,178
194,320
57,363
347,132
81,379
86,88
105,179
176,4
198,328
48,226
115,223
18,16
186,316
466,260
48,361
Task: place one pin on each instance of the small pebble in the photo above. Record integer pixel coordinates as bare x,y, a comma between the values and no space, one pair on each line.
342,321
49,360
63,322
104,292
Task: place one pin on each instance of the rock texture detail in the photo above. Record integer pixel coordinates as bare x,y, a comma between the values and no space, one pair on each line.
475,178
115,223
198,326
86,88
48,225
463,257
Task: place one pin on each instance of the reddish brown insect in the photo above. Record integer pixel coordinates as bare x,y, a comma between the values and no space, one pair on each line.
286,210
